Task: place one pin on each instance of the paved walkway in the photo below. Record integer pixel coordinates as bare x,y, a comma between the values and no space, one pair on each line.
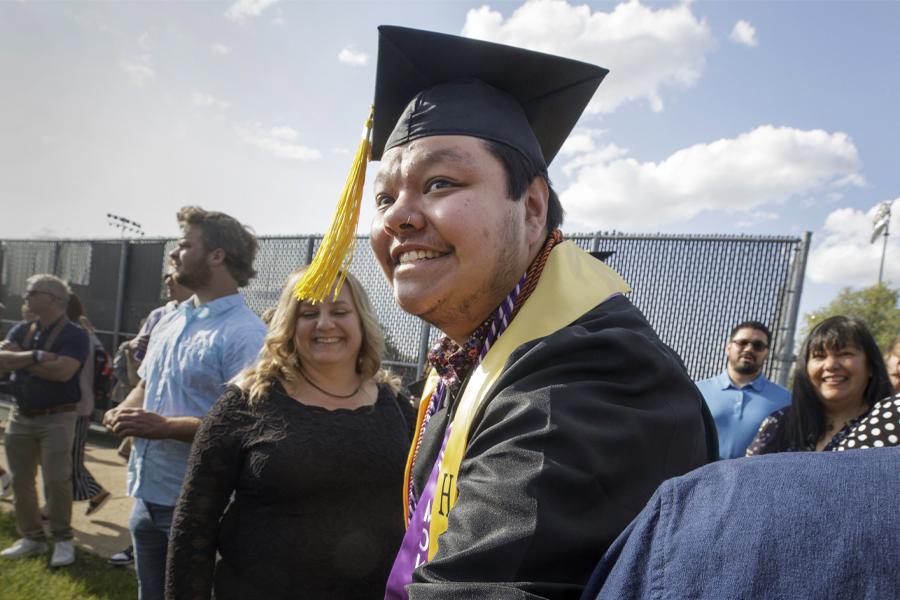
106,531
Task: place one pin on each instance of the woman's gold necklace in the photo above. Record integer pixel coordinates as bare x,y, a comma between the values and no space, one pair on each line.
326,392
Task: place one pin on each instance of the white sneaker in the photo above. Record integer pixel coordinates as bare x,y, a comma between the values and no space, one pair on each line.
5,485
63,554
123,558
25,547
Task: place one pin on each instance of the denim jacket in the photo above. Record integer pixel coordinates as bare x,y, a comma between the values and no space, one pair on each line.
793,525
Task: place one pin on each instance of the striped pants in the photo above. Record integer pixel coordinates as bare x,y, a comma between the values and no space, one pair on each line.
84,484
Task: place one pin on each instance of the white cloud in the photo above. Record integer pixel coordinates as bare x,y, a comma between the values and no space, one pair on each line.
744,33
646,50
203,100
220,49
278,141
767,165
843,255
755,218
353,57
581,151
580,141
139,70
244,9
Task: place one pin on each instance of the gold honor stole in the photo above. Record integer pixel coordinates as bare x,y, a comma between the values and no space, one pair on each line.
572,283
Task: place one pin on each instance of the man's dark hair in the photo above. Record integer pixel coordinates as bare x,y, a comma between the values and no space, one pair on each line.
219,230
752,325
520,172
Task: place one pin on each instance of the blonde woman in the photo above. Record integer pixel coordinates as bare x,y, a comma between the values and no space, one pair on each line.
311,441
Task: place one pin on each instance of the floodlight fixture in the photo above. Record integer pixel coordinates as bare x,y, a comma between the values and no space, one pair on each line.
124,225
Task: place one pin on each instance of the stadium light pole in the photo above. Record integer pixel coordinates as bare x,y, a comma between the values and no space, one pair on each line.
881,225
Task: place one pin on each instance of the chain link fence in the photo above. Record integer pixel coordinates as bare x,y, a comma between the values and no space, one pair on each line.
692,289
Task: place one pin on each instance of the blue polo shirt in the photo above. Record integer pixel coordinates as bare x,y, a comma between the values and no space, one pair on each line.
73,342
193,351
738,412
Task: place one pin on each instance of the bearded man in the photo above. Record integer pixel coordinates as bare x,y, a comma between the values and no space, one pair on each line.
740,397
194,350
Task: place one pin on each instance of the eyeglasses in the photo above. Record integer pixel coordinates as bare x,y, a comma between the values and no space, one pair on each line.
32,293
757,345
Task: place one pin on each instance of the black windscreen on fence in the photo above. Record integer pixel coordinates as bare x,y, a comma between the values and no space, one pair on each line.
692,289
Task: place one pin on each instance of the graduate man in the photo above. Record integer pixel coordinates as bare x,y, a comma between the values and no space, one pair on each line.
554,410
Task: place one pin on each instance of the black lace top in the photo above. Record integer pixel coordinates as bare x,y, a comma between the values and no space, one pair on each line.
314,500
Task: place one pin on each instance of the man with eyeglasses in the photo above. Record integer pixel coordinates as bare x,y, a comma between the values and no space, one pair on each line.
740,397
45,356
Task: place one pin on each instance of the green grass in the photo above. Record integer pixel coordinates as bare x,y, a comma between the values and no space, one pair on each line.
33,579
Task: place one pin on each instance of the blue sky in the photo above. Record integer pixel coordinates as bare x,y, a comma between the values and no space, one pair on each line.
717,117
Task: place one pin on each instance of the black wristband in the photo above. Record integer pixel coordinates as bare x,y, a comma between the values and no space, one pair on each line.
34,356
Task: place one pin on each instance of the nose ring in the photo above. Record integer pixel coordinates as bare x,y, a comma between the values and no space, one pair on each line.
408,219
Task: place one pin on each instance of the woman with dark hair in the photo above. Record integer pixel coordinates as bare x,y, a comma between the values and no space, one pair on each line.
296,473
85,486
841,398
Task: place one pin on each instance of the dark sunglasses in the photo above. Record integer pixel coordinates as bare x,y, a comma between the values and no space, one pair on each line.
756,345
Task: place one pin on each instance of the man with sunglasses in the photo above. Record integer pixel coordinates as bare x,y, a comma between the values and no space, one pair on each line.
740,397
45,356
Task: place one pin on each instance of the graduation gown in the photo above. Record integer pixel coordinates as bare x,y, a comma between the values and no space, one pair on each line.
577,432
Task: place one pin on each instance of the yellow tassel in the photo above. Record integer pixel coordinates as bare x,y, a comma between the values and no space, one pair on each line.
335,253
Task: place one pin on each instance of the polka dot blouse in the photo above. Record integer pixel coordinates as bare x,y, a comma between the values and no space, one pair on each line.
878,428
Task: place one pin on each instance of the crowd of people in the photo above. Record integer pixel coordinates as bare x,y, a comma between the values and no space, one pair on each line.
842,386
554,429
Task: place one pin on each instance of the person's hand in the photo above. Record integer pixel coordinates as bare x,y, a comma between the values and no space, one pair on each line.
130,359
109,417
137,422
10,346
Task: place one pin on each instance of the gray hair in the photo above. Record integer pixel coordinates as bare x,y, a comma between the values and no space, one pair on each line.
49,284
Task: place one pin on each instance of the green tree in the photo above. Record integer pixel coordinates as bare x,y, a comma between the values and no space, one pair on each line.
876,305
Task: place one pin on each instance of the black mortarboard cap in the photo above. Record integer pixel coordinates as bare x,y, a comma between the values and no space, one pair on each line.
602,255
436,84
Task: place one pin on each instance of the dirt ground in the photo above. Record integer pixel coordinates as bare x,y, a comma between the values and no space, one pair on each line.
106,531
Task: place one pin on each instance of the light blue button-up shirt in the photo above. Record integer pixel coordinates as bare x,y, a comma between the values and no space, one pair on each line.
738,412
193,352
